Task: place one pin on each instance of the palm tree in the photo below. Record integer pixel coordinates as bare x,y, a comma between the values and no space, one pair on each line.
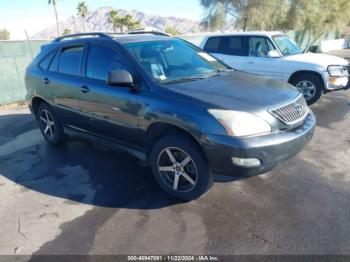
53,2
82,11
129,22
121,21
114,19
67,31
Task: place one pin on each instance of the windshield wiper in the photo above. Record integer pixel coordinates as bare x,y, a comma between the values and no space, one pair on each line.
184,79
193,78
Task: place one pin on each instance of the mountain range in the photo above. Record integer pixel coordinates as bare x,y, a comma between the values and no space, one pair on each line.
97,21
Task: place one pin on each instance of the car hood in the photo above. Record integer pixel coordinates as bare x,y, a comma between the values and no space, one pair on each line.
317,59
238,91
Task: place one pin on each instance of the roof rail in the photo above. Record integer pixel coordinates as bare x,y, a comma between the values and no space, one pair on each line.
99,34
140,32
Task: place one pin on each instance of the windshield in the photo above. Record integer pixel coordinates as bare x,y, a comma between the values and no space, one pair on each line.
175,60
286,45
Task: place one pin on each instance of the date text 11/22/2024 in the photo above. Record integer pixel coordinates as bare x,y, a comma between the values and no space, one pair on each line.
173,258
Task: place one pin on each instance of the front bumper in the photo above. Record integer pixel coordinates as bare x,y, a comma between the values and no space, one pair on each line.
269,149
336,83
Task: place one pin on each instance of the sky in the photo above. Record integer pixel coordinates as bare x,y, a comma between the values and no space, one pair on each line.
34,15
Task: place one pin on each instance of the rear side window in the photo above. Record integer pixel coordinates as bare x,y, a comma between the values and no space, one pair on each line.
212,45
101,60
70,60
44,64
54,64
232,45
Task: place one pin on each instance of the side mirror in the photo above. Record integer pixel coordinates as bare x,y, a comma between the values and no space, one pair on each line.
120,78
273,54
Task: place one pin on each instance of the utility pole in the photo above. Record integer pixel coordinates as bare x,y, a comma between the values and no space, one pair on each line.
30,45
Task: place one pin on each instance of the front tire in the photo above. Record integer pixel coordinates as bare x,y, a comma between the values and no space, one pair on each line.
49,124
180,167
310,86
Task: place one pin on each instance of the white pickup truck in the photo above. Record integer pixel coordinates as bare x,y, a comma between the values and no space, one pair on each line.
273,54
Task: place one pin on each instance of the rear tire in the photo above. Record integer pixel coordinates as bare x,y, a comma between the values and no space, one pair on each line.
49,124
310,86
180,167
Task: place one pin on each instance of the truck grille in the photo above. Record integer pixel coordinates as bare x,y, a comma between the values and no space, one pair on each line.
347,68
291,113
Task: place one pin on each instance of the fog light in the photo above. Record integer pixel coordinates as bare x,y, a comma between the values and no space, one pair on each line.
337,81
246,162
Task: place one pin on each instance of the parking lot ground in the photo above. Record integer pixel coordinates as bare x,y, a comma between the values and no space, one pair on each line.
81,198
345,53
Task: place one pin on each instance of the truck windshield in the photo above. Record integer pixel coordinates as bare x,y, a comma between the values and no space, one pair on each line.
171,61
286,45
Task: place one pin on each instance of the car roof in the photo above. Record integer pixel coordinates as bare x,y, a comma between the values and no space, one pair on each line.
132,38
121,38
251,33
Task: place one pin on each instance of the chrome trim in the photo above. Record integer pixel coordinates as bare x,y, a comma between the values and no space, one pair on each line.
290,112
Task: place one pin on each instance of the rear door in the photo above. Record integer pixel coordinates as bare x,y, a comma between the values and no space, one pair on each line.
258,61
63,80
229,49
110,111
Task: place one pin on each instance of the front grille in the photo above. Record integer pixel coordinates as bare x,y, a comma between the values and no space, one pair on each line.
347,68
292,112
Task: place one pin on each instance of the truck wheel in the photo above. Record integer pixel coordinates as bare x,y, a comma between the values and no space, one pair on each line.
310,86
180,167
49,124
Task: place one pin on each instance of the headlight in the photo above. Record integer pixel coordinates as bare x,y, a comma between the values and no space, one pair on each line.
337,70
240,124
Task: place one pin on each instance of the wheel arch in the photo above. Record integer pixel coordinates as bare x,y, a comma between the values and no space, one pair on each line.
35,103
159,129
306,72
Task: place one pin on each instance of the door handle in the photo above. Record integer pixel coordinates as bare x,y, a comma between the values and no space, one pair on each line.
251,62
46,81
84,89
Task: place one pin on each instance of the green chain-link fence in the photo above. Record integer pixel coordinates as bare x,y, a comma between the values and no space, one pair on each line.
14,58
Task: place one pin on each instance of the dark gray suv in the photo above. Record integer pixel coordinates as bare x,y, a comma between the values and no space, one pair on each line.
167,102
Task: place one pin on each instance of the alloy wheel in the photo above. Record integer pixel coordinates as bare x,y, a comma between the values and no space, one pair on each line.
47,123
177,169
307,88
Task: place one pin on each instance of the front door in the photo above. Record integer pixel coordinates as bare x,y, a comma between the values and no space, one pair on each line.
258,61
110,111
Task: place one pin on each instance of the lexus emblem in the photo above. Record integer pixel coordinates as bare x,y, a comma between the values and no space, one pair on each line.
299,108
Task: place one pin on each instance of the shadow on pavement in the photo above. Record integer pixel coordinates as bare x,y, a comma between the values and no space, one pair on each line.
84,172
331,108
79,171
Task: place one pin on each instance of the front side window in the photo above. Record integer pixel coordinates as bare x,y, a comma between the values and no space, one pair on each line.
260,46
102,60
286,45
70,60
172,60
